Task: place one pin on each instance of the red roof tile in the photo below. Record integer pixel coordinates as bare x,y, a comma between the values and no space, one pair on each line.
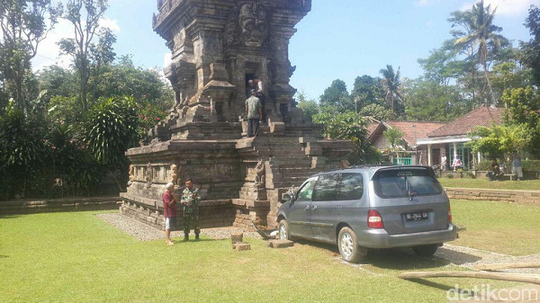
482,116
419,131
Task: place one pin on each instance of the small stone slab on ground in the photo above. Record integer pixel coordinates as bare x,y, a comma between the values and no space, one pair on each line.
280,243
239,246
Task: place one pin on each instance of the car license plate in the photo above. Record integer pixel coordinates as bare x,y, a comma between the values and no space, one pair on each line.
418,216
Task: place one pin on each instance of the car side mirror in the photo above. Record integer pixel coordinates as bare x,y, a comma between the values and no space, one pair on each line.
286,198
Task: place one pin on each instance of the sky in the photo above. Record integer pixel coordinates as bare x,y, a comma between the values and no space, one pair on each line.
338,39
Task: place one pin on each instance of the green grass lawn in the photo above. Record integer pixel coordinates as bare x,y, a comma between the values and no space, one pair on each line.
498,226
484,183
75,257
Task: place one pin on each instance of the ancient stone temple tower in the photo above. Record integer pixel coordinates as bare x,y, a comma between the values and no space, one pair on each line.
217,47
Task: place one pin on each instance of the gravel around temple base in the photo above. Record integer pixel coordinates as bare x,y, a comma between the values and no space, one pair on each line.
146,232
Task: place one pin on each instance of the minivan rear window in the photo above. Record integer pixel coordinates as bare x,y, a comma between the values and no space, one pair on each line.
405,182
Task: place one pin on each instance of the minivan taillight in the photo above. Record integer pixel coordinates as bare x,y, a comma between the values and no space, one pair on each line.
374,219
449,214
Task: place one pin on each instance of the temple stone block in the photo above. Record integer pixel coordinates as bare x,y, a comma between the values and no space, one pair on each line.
217,46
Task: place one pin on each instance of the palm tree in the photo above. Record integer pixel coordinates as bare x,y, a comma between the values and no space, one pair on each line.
481,35
392,84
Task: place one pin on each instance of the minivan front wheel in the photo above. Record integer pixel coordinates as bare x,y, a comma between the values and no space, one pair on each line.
348,246
283,230
425,250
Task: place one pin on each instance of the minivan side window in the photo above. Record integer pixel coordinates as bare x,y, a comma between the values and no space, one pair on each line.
351,187
304,193
326,188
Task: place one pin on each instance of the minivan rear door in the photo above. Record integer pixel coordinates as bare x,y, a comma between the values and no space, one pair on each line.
409,199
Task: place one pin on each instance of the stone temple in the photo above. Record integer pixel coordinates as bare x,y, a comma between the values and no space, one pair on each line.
217,47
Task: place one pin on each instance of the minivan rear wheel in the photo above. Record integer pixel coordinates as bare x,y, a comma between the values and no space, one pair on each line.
348,246
283,230
425,250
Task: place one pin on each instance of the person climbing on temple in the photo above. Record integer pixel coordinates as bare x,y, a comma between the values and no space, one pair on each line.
190,205
259,87
254,114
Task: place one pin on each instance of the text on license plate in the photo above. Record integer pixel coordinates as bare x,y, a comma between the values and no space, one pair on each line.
418,216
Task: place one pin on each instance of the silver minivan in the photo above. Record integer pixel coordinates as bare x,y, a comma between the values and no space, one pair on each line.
370,207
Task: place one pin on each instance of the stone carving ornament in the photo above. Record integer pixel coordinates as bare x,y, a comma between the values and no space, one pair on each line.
259,173
248,26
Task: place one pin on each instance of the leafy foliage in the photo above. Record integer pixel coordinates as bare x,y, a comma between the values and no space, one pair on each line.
23,27
499,140
111,128
531,49
337,96
349,126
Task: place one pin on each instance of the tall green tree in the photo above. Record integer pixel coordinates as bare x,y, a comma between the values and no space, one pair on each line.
84,15
524,109
350,126
337,97
531,49
480,36
24,25
367,90
309,107
392,85
431,101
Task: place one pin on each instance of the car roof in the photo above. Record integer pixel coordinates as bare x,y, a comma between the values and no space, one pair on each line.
370,169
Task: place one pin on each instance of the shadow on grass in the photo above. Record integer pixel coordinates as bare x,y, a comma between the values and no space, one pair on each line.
9,216
456,257
395,258
4,256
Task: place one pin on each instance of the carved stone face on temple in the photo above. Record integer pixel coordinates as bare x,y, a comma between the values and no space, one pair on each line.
253,22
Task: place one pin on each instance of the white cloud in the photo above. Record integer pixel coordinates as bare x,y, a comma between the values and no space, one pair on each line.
49,52
111,24
422,2
509,8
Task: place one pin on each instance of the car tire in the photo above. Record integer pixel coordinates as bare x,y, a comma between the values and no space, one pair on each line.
425,250
348,246
283,230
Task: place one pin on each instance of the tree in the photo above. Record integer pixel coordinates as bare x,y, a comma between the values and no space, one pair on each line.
23,25
524,108
367,90
309,107
110,129
531,49
336,96
499,140
431,101
81,45
395,138
349,126
378,112
392,82
481,36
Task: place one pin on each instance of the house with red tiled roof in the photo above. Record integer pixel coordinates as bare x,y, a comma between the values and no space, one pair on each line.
447,142
409,153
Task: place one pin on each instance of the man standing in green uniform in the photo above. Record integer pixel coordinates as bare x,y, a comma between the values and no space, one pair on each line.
190,203
254,114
